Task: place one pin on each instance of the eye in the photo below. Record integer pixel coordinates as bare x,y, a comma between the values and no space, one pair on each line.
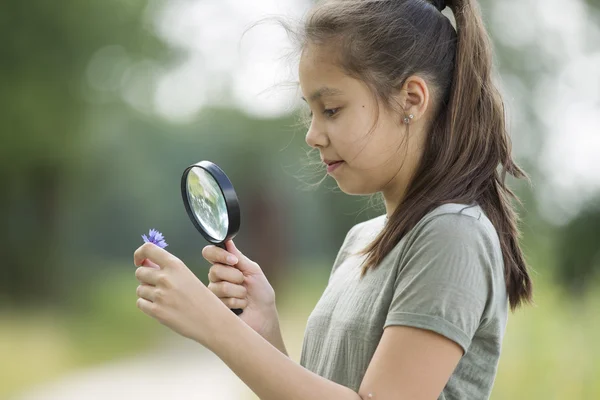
330,112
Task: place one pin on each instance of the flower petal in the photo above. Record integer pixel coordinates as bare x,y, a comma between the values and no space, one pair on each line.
156,238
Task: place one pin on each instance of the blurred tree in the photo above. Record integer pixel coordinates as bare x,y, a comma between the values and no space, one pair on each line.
46,48
569,252
578,249
45,58
595,7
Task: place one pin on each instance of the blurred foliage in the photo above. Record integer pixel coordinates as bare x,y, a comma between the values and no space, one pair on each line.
84,174
594,5
578,250
43,62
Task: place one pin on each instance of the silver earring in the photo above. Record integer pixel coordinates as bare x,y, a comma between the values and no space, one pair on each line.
408,119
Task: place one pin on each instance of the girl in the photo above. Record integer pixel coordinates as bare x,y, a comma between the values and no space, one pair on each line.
401,103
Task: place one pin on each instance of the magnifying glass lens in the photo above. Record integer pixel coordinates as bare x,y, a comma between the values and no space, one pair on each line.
207,203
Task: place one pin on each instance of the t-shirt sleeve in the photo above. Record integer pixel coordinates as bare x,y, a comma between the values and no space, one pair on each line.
444,278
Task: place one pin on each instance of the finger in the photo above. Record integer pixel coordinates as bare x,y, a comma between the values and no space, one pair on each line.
232,248
226,289
146,306
232,302
147,275
146,292
148,263
155,254
214,255
245,265
219,272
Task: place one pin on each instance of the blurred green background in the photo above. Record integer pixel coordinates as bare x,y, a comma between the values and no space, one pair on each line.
104,103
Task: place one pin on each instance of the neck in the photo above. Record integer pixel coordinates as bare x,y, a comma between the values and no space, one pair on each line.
395,191
393,196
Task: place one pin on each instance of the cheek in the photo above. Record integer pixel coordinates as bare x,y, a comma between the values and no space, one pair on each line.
377,151
378,159
353,142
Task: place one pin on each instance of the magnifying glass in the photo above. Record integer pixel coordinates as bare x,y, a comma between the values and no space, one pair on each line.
211,203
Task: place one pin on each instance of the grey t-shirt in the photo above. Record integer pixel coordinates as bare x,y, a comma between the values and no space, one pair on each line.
446,275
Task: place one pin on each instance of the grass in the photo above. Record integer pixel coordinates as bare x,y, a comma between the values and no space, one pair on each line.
550,350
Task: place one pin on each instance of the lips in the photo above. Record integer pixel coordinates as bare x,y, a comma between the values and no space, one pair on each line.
332,165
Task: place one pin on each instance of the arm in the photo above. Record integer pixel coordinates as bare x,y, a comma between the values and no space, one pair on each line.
272,333
241,283
274,337
407,360
268,372
409,363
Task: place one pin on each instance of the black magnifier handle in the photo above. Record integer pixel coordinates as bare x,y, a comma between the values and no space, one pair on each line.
236,311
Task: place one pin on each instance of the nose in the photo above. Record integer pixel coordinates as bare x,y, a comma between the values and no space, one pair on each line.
316,137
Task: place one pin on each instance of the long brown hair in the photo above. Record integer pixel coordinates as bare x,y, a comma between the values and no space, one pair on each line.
468,150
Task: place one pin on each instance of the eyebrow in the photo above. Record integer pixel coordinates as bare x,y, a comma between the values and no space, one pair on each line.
323,92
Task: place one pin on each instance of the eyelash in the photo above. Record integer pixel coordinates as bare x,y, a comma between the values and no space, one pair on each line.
329,112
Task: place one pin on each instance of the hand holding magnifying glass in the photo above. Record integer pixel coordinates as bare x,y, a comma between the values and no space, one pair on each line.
211,204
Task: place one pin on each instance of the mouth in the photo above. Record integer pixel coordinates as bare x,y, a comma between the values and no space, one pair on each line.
332,165
332,162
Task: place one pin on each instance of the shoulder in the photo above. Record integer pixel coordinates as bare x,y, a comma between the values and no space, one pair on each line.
452,229
449,275
448,223
457,244
458,225
358,237
369,228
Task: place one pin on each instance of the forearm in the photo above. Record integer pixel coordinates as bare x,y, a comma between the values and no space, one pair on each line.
269,373
273,335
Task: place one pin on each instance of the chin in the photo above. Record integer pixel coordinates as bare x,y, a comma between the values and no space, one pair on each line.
356,189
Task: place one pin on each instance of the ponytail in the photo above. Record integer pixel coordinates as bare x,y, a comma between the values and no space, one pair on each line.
484,124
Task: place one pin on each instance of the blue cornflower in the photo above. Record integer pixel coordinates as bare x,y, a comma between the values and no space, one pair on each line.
155,237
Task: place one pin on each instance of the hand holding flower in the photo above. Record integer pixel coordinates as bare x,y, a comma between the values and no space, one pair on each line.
174,296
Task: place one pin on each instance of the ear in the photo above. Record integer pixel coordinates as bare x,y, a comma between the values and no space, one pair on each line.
414,97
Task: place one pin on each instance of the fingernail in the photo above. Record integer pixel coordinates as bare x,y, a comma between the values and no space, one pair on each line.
232,260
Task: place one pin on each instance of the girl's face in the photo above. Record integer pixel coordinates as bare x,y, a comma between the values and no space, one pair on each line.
373,158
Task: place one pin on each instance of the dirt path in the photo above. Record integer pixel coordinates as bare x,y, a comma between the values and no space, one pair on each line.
181,370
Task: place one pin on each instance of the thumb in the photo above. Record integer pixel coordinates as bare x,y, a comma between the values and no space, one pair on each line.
244,263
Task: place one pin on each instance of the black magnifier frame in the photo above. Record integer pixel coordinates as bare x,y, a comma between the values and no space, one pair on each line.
231,202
